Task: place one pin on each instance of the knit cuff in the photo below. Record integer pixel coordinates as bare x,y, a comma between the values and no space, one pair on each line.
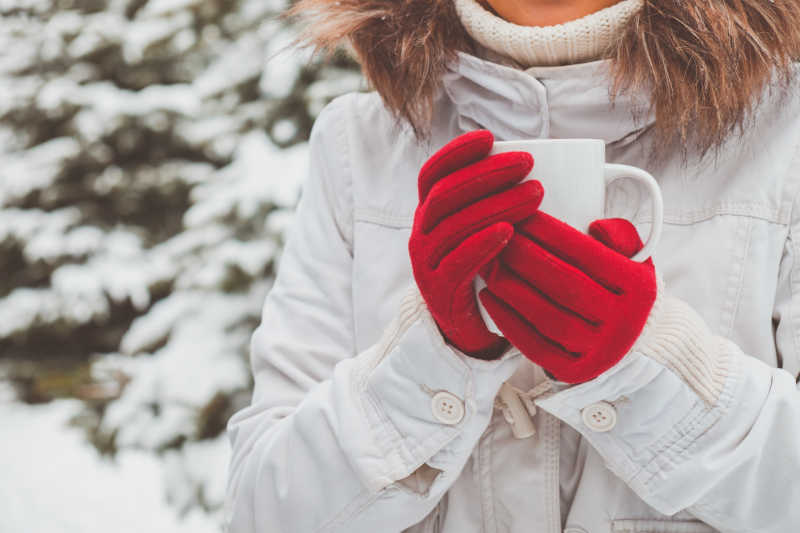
678,338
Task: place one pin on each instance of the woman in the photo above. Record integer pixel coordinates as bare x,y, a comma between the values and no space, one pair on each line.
613,402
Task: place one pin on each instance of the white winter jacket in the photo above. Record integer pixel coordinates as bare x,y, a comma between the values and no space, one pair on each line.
364,420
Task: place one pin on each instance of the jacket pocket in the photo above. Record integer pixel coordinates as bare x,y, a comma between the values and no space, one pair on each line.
661,526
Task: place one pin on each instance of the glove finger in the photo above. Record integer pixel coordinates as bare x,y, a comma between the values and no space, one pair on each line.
469,184
463,262
462,265
562,283
618,234
511,205
596,260
569,330
460,152
521,334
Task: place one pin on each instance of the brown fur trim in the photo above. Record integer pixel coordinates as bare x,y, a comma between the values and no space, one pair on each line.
403,46
703,62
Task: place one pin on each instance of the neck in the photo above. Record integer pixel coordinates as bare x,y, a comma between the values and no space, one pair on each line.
544,12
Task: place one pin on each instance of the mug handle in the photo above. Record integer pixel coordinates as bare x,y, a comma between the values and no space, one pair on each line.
613,172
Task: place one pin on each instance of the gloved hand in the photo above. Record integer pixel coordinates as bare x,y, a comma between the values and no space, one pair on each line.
467,205
572,303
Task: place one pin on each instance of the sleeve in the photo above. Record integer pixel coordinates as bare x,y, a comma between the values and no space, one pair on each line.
335,440
690,422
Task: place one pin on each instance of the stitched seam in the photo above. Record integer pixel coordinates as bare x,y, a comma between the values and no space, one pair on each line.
410,309
408,313
376,216
412,453
347,170
668,451
740,281
660,526
660,451
348,511
679,440
793,165
781,215
666,454
794,280
390,440
552,426
692,216
491,491
735,275
704,511
707,508
405,221
396,442
486,489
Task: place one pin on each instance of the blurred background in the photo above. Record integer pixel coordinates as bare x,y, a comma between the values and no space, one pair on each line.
151,155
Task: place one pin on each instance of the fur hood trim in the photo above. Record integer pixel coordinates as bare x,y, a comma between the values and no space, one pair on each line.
703,63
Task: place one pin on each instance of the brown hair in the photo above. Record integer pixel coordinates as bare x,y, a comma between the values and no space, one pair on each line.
703,63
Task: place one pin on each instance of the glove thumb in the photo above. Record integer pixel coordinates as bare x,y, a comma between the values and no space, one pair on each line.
618,234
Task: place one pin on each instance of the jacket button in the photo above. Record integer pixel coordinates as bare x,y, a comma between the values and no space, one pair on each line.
447,408
600,416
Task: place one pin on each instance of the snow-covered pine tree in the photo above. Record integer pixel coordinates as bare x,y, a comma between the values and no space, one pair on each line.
150,159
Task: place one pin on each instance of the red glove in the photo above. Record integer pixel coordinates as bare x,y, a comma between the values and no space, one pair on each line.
467,205
572,303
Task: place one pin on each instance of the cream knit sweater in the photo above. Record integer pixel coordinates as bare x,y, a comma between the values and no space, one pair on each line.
575,41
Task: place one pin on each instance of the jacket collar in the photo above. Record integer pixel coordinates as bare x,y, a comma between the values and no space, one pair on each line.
542,102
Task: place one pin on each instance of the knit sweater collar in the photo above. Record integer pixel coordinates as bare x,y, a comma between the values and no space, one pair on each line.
575,41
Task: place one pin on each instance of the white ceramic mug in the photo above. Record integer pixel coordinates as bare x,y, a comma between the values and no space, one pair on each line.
575,175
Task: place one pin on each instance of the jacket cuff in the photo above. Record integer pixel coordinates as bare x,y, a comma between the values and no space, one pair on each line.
678,338
646,415
423,401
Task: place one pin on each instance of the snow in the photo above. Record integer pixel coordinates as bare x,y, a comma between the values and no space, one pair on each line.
108,101
260,174
157,8
239,63
26,224
119,269
200,466
104,110
99,31
75,242
199,359
54,481
280,62
36,168
26,307
150,32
